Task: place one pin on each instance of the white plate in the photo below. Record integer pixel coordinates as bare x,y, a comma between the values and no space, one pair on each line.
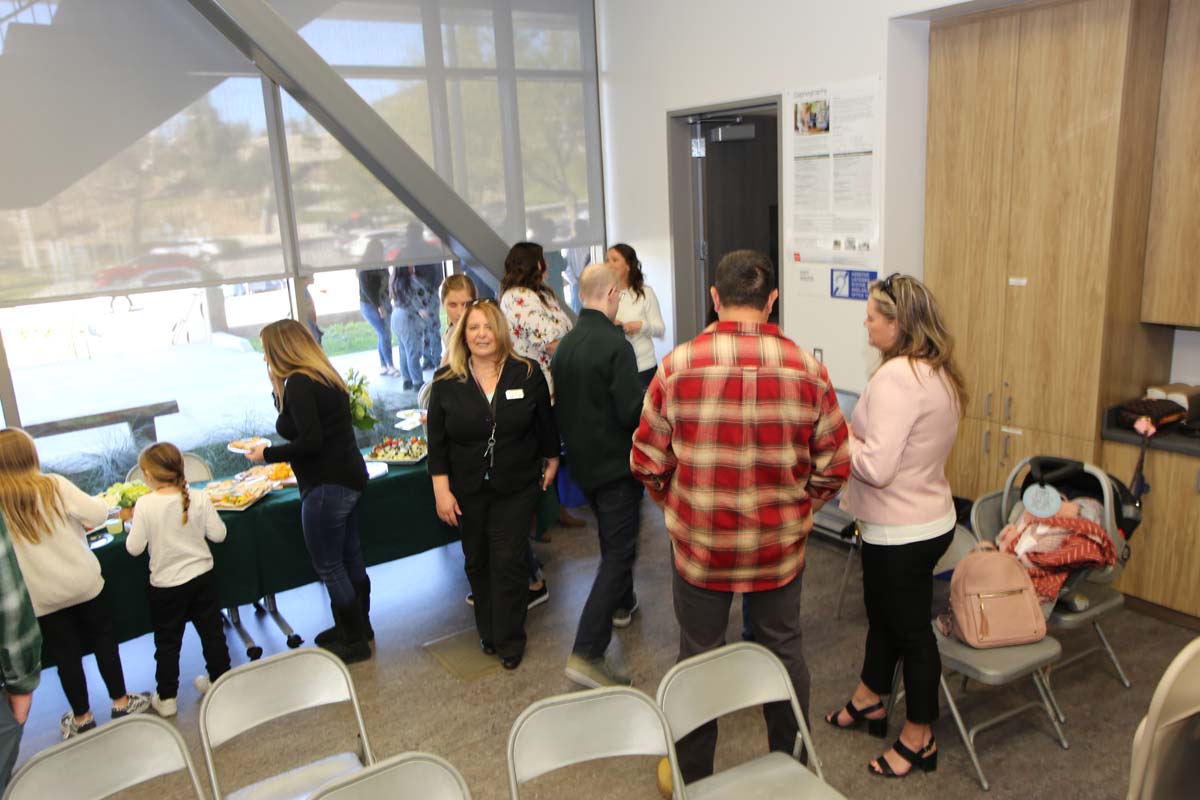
257,440
376,469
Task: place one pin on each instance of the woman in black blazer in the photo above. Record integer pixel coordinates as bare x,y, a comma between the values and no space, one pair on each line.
493,447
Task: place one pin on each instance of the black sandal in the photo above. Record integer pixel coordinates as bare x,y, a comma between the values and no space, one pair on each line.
875,727
926,760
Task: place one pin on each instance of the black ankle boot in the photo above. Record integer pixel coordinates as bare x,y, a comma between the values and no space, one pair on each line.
362,593
351,645
329,635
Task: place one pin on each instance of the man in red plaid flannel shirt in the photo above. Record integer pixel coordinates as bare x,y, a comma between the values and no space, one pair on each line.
740,441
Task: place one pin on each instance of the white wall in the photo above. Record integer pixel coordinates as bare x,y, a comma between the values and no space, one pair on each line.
1185,368
666,55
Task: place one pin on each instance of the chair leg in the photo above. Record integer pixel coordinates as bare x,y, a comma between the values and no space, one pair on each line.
1111,655
962,732
1053,700
854,546
1039,681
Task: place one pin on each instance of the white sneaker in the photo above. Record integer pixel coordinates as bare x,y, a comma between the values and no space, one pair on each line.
202,684
165,708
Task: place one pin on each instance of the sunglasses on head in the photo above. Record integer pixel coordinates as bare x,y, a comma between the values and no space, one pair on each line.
886,285
480,301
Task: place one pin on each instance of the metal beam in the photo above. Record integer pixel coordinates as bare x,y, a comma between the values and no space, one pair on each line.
283,56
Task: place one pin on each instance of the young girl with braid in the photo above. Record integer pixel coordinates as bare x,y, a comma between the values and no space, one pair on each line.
174,523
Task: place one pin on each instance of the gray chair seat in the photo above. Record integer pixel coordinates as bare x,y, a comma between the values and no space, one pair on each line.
301,782
1101,600
999,665
776,775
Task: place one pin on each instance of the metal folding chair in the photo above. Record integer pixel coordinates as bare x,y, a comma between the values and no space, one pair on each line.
408,776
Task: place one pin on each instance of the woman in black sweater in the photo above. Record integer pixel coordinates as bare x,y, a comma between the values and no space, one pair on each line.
314,416
493,447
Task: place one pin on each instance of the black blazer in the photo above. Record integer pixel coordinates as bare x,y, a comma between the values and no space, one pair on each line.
460,422
316,421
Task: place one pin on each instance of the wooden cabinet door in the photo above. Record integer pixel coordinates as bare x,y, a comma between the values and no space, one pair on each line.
1066,116
1166,552
971,467
1169,295
1017,444
968,177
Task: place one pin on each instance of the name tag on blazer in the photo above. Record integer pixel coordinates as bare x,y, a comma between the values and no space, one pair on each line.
514,394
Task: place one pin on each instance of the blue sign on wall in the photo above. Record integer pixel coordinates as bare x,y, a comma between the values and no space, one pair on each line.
850,284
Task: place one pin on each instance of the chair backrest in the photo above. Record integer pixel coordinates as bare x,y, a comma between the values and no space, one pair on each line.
408,776
106,761
572,728
260,691
964,541
1164,751
728,679
195,470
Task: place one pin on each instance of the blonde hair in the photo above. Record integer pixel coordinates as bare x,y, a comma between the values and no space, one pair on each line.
921,333
164,463
457,365
291,349
29,500
458,282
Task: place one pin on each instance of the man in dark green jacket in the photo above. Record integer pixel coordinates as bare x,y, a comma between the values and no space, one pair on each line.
20,656
598,401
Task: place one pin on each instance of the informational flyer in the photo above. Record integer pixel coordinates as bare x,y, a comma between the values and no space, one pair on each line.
832,194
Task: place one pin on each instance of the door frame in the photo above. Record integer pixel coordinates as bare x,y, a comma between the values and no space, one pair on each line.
683,189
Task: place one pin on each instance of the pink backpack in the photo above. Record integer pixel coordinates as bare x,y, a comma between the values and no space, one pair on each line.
992,601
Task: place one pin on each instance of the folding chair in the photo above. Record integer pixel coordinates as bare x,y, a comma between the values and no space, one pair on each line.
572,728
997,666
736,676
256,693
408,776
108,760
1164,747
195,470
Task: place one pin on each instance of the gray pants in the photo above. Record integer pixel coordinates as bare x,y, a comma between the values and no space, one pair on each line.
10,740
774,617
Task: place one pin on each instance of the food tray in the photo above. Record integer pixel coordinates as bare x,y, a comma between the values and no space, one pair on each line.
253,441
396,460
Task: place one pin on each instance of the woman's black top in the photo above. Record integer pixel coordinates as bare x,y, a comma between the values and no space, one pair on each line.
315,419
461,422
372,286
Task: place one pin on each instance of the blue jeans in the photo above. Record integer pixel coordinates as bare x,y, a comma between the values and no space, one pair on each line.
409,329
618,506
329,517
384,336
10,741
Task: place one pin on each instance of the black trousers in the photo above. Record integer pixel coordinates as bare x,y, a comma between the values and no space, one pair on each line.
774,617
171,608
495,531
68,633
898,593
617,505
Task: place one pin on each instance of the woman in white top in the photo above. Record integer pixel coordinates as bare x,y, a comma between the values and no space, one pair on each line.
638,314
48,516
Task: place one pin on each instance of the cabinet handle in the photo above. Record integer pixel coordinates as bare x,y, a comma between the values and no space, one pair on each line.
987,405
1008,409
1197,481
1004,453
987,445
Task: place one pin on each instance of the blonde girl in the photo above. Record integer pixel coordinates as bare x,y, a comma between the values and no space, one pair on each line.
177,524
48,517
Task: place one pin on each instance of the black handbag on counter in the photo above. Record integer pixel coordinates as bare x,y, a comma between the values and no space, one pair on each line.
1161,413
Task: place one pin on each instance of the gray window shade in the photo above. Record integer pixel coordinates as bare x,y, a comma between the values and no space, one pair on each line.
136,154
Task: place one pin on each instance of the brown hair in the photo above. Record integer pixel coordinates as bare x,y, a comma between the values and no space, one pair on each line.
636,280
458,282
921,333
29,500
525,268
164,463
290,348
456,365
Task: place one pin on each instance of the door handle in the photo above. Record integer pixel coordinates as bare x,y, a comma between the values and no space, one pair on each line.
987,446
1008,409
1004,452
1197,481
987,405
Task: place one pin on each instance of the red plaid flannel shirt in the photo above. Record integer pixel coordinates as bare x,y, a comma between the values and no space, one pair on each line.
740,431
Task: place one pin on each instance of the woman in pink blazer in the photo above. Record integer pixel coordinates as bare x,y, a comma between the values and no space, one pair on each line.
901,433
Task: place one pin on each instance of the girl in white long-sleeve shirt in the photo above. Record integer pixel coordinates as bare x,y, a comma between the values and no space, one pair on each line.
174,523
48,516
638,313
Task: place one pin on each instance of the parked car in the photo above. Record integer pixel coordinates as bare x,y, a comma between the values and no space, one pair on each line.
155,269
205,248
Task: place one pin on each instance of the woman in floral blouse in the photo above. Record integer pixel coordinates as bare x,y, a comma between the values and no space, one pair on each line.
535,318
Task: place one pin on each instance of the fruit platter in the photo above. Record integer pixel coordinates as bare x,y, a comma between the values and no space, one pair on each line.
237,495
399,451
279,474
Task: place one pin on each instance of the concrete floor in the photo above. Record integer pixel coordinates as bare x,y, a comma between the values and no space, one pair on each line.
411,703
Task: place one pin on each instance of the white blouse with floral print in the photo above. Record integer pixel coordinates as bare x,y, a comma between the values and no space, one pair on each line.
534,323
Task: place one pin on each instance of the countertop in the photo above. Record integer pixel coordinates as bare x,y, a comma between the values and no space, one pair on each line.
1172,439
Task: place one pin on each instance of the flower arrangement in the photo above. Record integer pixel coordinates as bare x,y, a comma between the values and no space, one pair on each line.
124,495
360,401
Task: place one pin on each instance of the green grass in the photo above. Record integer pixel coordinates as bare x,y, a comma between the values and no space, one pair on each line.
341,338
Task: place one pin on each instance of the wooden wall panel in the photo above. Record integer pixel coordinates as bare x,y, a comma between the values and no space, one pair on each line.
1171,288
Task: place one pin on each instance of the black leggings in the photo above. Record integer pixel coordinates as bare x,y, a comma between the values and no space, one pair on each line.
898,593
68,634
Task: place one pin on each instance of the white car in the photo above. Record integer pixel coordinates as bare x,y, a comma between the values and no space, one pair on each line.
204,248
